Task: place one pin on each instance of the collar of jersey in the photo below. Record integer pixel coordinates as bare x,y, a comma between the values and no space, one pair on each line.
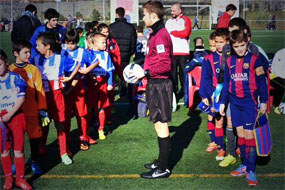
156,27
21,65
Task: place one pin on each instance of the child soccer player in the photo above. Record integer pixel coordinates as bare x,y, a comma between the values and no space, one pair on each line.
244,81
210,73
12,88
35,105
75,101
212,44
98,97
114,51
51,26
82,38
51,65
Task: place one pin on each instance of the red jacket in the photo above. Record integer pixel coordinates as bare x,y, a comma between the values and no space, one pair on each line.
114,51
159,53
224,20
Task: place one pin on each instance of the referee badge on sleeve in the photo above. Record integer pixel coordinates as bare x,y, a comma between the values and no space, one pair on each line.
160,48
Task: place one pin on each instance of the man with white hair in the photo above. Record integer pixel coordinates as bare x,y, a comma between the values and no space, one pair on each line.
179,28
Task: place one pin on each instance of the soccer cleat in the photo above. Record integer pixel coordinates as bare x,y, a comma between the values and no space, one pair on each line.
91,141
156,173
65,159
23,184
221,155
8,182
238,152
84,145
152,166
251,178
241,170
36,169
211,147
229,159
101,135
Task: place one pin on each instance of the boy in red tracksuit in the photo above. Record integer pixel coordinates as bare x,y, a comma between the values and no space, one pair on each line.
12,88
244,83
210,74
114,51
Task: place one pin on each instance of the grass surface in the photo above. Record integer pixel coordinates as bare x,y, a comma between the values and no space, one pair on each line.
116,162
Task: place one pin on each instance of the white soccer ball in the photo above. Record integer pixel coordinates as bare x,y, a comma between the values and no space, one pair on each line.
130,72
282,108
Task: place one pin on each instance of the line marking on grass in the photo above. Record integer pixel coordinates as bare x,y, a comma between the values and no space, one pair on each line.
136,176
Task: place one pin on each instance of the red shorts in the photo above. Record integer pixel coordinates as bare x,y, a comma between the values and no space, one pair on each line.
33,128
15,132
75,101
97,95
55,105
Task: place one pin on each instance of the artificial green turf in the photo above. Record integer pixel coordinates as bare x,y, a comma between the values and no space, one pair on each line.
133,143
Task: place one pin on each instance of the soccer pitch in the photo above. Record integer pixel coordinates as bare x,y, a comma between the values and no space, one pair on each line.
115,163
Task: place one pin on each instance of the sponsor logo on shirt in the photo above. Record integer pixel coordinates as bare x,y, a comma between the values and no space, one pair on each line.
246,65
160,48
239,77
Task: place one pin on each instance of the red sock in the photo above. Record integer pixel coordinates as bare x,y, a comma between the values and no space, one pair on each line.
61,140
7,165
102,119
83,126
20,167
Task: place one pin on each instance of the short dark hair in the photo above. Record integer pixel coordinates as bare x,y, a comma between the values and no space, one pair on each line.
51,13
154,7
72,36
102,26
120,11
89,26
79,30
3,56
231,7
18,45
140,28
238,36
222,32
198,38
31,8
51,39
212,35
237,21
246,30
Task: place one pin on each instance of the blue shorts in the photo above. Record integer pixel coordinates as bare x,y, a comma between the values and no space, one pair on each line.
243,115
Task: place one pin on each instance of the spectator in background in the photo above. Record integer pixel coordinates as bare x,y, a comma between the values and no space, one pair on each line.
25,26
273,23
196,21
125,35
179,28
224,20
269,23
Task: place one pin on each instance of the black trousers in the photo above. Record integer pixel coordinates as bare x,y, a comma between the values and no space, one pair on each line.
178,66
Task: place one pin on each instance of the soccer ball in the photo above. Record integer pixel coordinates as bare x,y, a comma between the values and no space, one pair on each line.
130,72
282,108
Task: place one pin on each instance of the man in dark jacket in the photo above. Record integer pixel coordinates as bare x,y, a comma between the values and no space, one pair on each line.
125,35
25,26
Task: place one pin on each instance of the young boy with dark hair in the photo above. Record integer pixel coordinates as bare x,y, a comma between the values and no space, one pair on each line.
35,105
157,68
12,88
51,26
244,82
97,97
75,98
209,79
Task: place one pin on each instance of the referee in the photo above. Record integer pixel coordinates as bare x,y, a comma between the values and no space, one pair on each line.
157,69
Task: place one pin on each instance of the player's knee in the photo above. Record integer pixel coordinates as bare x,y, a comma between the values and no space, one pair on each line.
240,132
18,153
5,153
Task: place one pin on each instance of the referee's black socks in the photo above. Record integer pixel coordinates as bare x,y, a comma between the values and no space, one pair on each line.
164,149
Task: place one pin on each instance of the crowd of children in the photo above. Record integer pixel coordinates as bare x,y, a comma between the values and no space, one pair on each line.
60,74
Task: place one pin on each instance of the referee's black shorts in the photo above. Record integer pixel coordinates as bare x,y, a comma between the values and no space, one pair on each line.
159,100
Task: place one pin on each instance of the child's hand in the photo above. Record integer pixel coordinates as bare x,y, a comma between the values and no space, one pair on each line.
263,108
44,119
66,79
109,87
5,118
222,109
206,101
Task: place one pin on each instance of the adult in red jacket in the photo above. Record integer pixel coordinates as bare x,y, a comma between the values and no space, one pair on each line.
224,20
179,28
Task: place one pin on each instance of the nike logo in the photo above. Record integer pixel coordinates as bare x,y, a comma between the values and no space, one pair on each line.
232,66
216,62
156,174
247,124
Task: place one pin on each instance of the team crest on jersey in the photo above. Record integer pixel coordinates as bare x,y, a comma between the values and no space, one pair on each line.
246,65
111,46
228,53
160,48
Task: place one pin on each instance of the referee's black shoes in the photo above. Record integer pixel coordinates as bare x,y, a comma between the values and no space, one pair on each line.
156,173
152,166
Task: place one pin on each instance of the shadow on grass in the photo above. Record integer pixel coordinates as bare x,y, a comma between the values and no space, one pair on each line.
52,158
183,137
